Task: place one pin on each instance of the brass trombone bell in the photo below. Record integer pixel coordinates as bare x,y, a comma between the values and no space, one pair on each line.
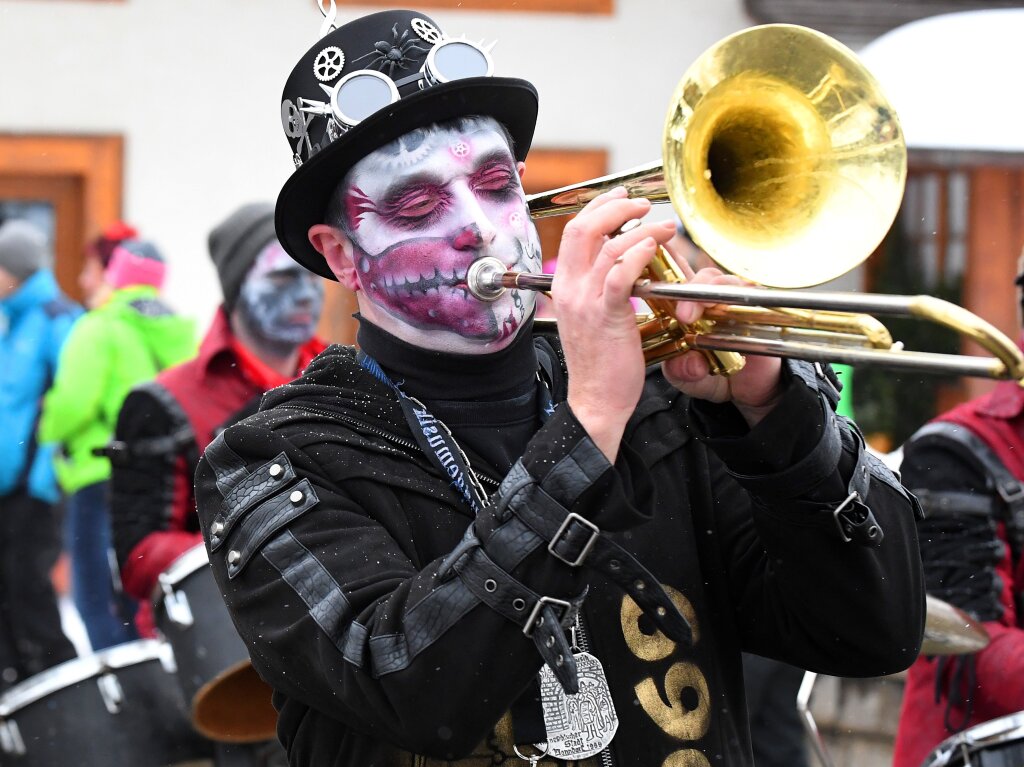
776,139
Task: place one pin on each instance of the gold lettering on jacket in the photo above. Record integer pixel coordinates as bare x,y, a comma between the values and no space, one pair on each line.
690,757
652,647
675,719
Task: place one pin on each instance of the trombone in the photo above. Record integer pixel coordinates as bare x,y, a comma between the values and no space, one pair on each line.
776,139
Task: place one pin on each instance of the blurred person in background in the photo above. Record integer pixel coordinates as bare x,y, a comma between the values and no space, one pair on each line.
35,318
261,337
94,287
128,338
967,469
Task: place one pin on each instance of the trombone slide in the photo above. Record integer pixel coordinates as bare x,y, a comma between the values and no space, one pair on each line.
774,334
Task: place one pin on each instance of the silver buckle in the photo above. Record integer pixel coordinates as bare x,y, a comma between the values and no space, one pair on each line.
535,616
595,531
854,496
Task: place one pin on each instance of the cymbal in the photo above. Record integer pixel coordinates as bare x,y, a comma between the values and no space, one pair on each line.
950,631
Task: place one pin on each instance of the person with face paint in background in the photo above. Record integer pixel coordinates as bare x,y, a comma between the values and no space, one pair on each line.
261,337
129,337
470,536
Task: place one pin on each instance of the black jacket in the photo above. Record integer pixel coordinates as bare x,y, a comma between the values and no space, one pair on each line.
391,623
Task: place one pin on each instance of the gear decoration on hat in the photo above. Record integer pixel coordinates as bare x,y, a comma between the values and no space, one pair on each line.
426,31
392,55
328,63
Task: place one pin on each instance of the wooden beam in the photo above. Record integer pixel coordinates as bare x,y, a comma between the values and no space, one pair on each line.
994,243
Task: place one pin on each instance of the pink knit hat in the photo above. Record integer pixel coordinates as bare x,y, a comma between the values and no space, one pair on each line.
136,262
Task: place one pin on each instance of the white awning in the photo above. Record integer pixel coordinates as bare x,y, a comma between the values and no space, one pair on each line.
956,80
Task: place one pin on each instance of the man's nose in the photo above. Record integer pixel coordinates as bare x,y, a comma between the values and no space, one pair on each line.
306,290
478,231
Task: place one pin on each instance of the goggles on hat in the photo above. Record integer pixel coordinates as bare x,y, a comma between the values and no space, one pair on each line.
361,93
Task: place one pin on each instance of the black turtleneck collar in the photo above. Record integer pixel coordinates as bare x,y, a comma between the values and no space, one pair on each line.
432,375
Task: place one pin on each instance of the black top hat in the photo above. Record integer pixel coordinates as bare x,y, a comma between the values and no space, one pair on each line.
397,45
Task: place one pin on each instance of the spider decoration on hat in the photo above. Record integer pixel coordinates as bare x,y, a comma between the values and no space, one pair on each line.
387,56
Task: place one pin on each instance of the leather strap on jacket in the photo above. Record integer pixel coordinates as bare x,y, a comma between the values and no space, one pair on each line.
577,542
541,618
854,520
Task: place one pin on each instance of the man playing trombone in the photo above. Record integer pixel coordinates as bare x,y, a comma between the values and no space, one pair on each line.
470,542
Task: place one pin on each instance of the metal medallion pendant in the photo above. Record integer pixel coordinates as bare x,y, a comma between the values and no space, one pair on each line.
583,724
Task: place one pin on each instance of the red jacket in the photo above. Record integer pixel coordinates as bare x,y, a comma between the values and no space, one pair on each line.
998,419
153,509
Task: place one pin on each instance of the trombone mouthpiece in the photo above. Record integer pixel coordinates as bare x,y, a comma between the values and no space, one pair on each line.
484,278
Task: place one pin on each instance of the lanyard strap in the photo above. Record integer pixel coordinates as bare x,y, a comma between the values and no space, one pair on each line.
436,440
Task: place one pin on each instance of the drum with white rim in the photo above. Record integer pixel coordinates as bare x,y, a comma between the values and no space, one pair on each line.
228,701
118,706
995,743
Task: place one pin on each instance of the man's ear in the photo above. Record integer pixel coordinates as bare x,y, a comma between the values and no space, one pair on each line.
521,169
336,248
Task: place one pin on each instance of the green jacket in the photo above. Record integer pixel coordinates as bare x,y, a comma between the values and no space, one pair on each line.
124,342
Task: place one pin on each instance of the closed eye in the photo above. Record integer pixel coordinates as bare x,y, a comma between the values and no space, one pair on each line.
495,177
415,206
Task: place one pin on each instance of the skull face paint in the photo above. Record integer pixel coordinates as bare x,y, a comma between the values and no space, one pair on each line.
418,212
279,301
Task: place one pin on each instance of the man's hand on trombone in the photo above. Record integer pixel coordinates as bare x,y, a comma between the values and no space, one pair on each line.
754,390
591,292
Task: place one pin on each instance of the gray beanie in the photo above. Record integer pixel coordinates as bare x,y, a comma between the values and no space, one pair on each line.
22,249
236,242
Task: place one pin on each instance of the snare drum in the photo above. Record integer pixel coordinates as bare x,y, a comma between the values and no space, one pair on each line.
119,706
229,702
996,743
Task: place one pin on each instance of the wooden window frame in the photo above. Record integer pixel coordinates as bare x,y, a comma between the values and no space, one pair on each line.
80,176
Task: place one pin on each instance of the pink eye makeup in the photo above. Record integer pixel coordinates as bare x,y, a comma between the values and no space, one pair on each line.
495,176
415,206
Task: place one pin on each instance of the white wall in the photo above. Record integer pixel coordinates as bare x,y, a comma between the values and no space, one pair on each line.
194,87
